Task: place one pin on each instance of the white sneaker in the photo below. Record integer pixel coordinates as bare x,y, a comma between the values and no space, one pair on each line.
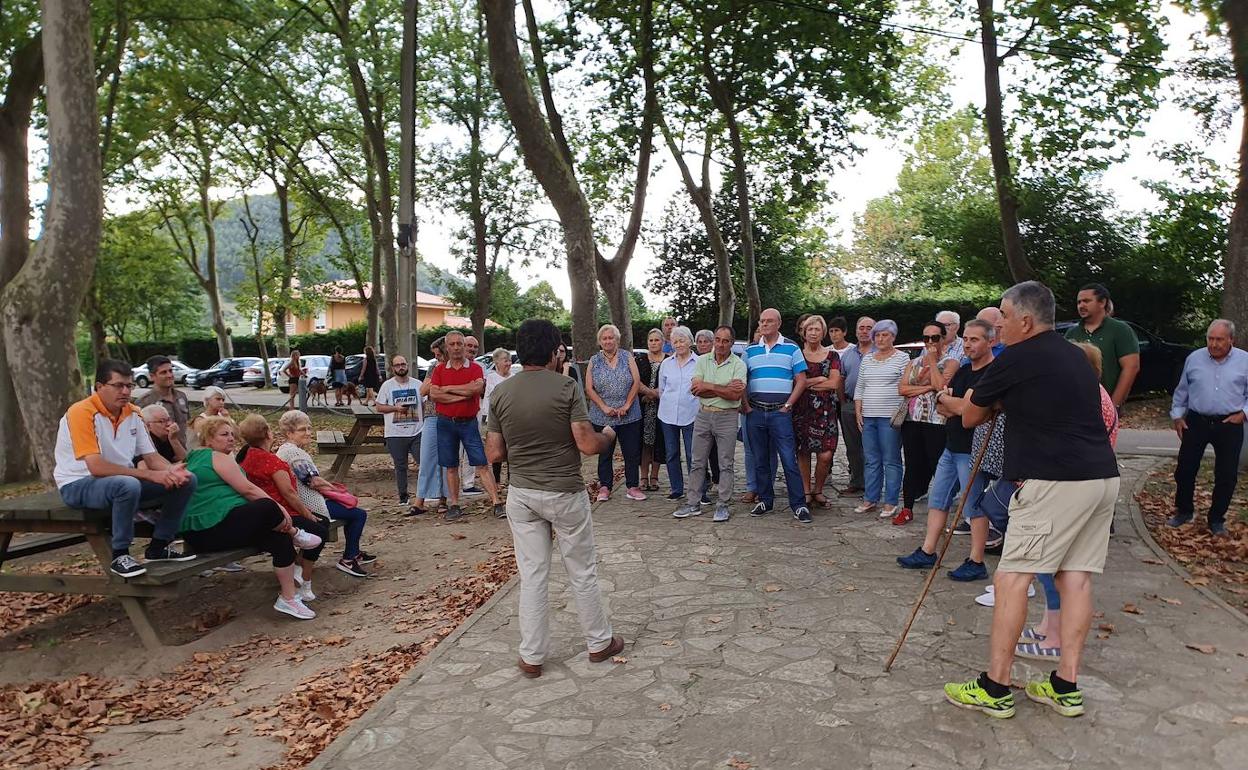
1031,590
298,575
305,592
989,599
305,540
888,512
295,608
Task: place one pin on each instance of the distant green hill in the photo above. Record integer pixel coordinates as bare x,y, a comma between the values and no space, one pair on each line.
232,249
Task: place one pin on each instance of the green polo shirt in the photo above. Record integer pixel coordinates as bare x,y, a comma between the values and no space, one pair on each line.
713,373
1115,339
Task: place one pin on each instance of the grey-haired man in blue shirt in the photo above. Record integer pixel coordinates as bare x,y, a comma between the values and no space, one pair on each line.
1210,406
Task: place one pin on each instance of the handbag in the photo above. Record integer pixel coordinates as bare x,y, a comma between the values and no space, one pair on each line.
900,414
339,494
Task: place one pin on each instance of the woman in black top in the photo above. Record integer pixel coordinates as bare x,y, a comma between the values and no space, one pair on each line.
370,375
338,374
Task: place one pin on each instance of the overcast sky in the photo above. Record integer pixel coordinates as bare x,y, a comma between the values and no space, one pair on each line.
874,173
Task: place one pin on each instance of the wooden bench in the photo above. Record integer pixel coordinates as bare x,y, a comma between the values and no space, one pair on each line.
44,523
357,442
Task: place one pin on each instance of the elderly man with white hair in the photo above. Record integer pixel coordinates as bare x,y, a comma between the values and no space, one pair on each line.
1209,407
164,433
952,323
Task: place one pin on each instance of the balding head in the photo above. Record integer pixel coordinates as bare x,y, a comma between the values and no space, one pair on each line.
769,324
992,316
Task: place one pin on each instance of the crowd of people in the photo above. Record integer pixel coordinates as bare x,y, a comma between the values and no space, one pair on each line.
215,484
1001,419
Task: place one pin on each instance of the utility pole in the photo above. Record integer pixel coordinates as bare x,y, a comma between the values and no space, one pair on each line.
405,345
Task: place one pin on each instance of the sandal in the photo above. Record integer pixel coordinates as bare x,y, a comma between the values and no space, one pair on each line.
1034,651
821,501
416,510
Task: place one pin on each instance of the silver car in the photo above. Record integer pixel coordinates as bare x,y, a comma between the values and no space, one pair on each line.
143,378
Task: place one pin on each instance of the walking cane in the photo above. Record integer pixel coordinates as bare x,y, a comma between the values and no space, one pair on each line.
927,584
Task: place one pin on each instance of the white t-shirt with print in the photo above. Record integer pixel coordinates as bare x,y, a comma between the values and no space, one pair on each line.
395,393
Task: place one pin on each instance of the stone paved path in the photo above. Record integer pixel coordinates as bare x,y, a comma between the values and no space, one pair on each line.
761,642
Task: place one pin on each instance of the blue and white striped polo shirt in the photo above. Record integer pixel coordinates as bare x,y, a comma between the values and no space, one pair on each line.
771,370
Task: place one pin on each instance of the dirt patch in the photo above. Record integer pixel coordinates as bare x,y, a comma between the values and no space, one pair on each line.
1151,413
1220,563
248,687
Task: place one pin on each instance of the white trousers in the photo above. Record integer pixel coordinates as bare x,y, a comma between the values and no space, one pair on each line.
532,514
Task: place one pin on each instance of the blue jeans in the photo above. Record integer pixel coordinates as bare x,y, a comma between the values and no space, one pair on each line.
353,525
1052,599
952,475
125,495
628,436
453,434
431,484
752,483
881,455
771,433
673,435
995,503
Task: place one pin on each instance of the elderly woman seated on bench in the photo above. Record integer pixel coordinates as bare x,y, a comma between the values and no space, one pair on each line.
271,473
228,511
295,428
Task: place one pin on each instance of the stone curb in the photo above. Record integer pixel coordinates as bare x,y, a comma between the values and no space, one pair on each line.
326,759
1141,529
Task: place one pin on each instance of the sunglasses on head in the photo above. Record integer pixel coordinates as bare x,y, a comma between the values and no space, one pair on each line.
932,337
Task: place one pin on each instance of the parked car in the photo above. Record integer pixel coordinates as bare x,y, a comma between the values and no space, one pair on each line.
1161,362
355,363
316,367
227,371
252,374
181,372
487,361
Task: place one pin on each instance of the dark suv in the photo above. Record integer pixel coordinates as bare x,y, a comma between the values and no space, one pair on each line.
355,365
1161,362
227,371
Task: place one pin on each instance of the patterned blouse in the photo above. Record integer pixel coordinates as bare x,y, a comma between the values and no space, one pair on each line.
612,386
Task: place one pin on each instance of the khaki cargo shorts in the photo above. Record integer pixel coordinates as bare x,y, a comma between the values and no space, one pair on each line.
1059,526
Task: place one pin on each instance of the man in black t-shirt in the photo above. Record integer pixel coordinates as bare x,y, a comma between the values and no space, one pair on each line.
953,470
1057,447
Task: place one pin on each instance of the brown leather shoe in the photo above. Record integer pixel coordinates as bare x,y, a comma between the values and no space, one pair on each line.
613,649
528,669
749,497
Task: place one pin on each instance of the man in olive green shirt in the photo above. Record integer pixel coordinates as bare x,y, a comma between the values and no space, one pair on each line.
719,381
1120,350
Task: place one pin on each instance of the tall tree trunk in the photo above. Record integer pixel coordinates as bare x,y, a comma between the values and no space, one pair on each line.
95,324
701,197
553,173
1235,269
17,460
612,274
208,220
38,334
994,123
482,269
280,338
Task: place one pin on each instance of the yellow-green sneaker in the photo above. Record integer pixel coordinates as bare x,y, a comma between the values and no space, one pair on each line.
1067,704
969,695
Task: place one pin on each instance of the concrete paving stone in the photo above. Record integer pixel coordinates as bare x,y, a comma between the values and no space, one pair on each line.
792,678
564,727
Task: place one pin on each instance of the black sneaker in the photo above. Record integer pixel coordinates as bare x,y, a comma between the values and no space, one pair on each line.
473,491
963,528
352,568
760,509
453,513
366,558
1178,520
802,514
1219,530
168,553
706,499
125,566
676,496
500,511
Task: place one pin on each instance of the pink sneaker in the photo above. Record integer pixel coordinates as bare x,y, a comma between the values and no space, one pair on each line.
604,494
635,493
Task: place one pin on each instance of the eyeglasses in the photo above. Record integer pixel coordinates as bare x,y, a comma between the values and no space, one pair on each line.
933,337
120,385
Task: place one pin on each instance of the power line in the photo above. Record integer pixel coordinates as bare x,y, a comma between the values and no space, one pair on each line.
1051,49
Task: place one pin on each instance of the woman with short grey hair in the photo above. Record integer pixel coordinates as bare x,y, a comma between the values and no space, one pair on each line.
878,399
612,384
678,407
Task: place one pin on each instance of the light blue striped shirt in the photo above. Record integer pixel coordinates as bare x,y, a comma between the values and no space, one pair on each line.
1212,388
772,370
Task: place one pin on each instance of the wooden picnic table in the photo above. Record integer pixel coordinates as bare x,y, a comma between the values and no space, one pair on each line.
43,522
356,442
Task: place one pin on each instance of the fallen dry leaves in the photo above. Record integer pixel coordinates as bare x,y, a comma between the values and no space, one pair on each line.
1220,563
1207,649
19,611
320,707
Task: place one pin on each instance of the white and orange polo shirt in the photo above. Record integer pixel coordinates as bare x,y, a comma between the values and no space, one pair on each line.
88,429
